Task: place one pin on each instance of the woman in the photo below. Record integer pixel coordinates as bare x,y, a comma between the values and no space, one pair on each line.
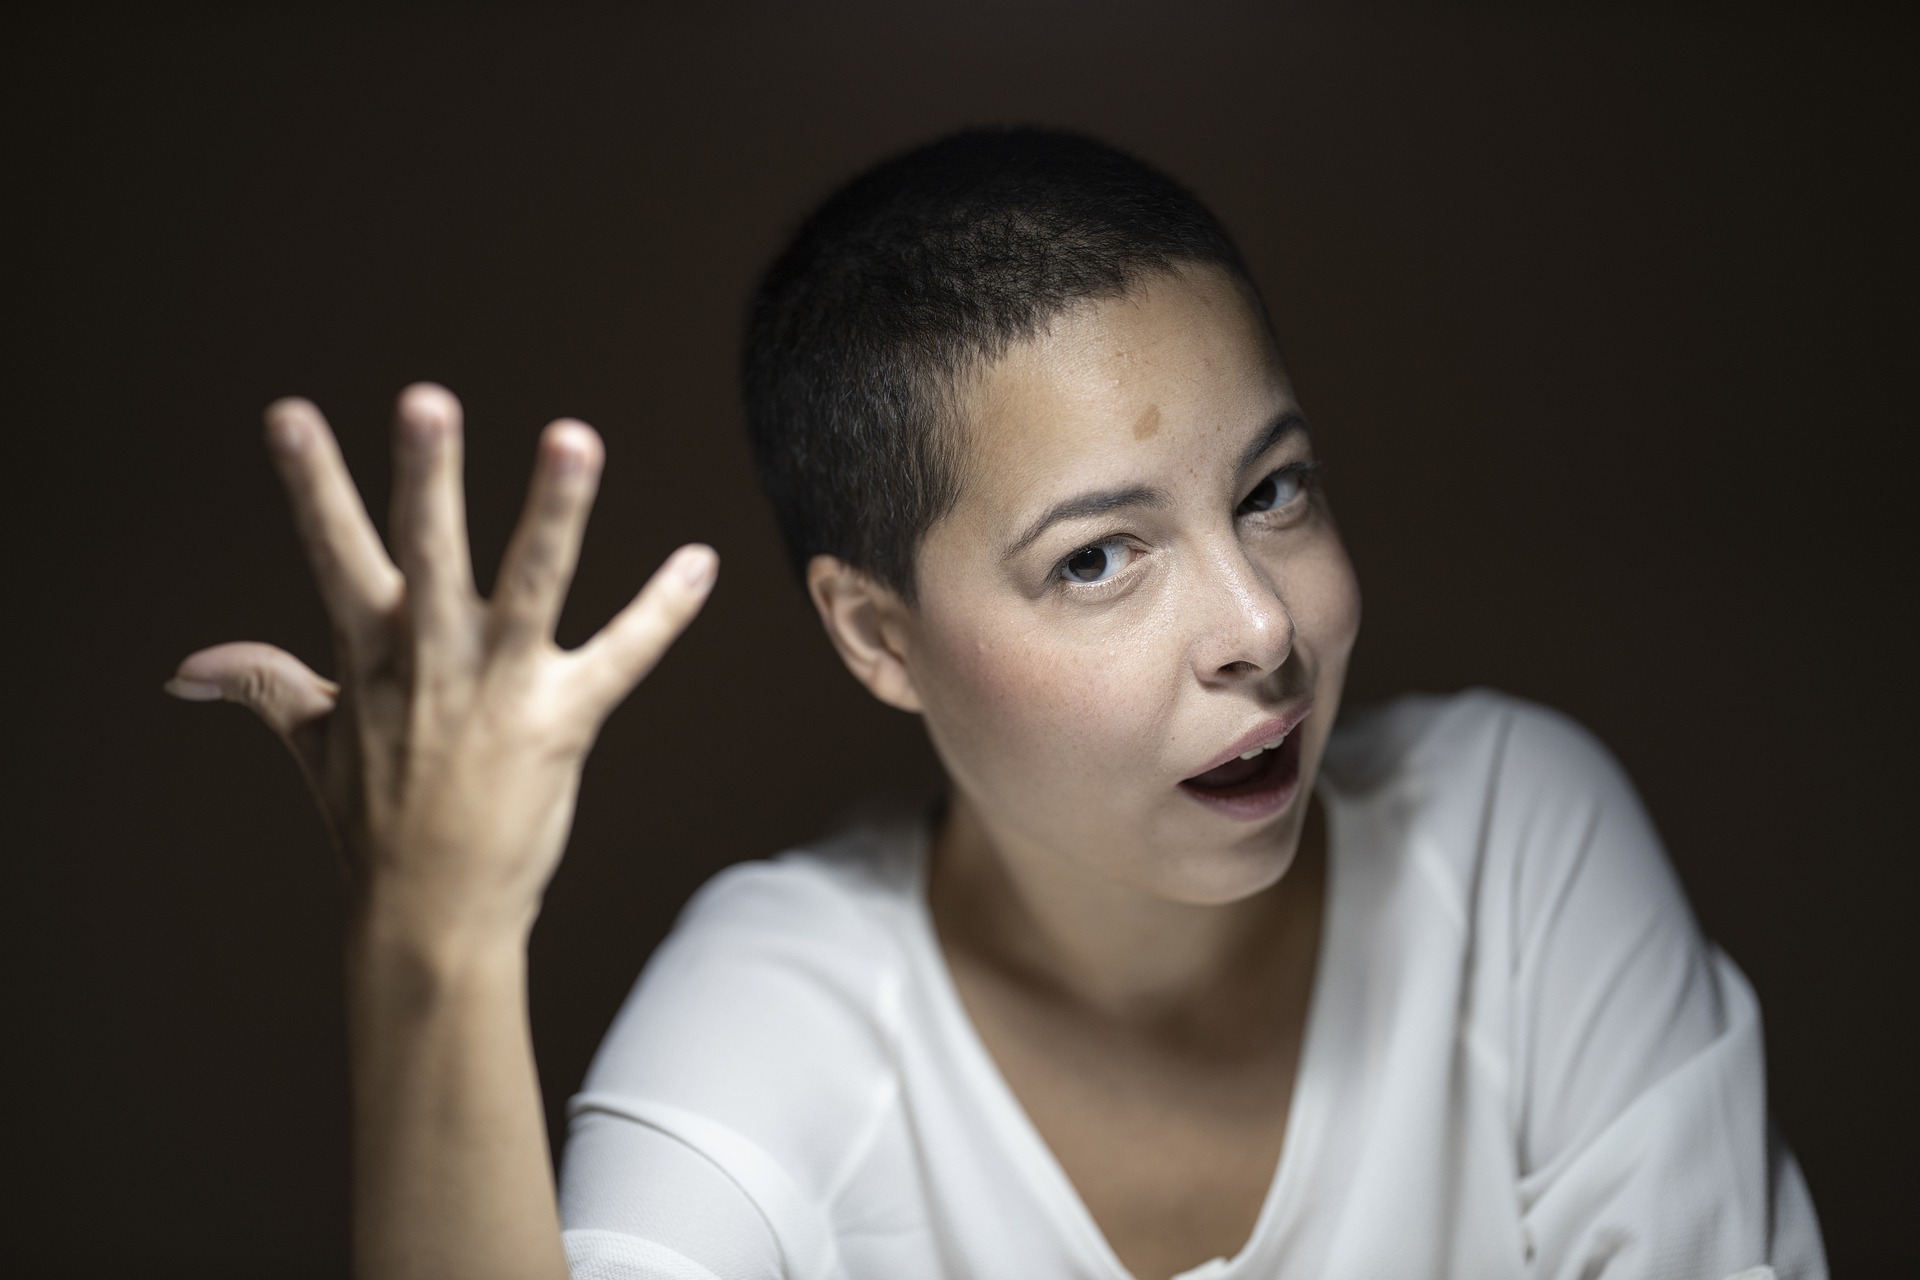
1178,979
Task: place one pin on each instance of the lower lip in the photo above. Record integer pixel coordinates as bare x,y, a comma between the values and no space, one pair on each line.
1262,796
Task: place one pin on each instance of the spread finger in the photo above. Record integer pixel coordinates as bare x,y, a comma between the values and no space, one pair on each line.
627,648
540,559
429,532
358,583
275,685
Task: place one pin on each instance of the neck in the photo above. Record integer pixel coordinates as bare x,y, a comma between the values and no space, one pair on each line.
1046,919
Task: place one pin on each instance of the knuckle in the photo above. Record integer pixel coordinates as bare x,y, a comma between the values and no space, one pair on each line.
646,649
257,688
519,586
532,570
559,499
673,617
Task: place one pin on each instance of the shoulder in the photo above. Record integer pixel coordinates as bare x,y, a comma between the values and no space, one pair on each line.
1478,735
1475,766
766,1020
838,898
1514,799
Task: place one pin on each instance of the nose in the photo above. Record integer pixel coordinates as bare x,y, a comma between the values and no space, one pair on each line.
1242,627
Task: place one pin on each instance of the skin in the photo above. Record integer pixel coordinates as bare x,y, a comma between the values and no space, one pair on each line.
1137,964
446,761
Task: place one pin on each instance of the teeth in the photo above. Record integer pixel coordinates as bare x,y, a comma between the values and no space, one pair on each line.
1257,750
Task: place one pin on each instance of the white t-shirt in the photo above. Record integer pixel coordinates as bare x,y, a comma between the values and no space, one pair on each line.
1521,1059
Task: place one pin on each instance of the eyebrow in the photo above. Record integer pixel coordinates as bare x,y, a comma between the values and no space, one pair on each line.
1097,503
1285,424
1103,501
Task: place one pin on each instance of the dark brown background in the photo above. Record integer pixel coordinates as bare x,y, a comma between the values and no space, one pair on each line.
1599,315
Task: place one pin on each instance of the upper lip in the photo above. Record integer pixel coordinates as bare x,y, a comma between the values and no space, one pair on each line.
1258,736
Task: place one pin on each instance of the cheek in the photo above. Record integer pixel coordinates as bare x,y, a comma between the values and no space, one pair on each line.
1324,598
1018,709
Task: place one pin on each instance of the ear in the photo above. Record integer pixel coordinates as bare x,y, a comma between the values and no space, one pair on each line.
867,623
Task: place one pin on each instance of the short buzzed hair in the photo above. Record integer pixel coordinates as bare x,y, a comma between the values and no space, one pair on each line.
924,267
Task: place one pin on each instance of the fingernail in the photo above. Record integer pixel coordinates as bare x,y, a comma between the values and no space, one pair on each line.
572,447
425,412
285,434
193,690
696,566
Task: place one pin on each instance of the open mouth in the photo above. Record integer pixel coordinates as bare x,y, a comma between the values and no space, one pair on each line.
1257,785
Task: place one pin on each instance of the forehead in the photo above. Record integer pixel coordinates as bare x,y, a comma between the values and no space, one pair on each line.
1120,389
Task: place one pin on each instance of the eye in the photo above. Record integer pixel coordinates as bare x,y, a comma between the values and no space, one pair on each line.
1279,490
1095,563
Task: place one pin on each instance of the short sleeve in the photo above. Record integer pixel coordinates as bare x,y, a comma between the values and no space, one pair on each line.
739,1088
640,1204
1640,1105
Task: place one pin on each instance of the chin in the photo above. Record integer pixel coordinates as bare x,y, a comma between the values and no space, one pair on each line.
1218,877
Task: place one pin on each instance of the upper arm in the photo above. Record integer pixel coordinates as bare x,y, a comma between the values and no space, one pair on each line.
737,1083
1640,1116
1614,987
639,1204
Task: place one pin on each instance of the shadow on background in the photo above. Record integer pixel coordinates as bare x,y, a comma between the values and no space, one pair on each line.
1596,316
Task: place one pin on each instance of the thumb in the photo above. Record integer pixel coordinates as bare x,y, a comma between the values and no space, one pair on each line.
278,687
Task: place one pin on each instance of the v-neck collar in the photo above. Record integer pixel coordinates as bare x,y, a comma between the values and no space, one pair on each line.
1307,1110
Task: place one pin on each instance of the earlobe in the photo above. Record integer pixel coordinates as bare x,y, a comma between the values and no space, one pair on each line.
866,622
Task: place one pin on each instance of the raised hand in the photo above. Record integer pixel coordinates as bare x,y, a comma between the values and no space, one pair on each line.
447,758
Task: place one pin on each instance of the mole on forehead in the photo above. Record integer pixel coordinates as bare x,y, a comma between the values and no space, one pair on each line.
1148,424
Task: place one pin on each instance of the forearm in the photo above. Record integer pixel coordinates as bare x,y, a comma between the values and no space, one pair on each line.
446,759
452,1174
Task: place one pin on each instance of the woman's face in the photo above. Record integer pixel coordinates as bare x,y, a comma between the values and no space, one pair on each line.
1138,583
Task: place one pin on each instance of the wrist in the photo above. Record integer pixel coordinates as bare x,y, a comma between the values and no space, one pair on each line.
402,955
396,908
